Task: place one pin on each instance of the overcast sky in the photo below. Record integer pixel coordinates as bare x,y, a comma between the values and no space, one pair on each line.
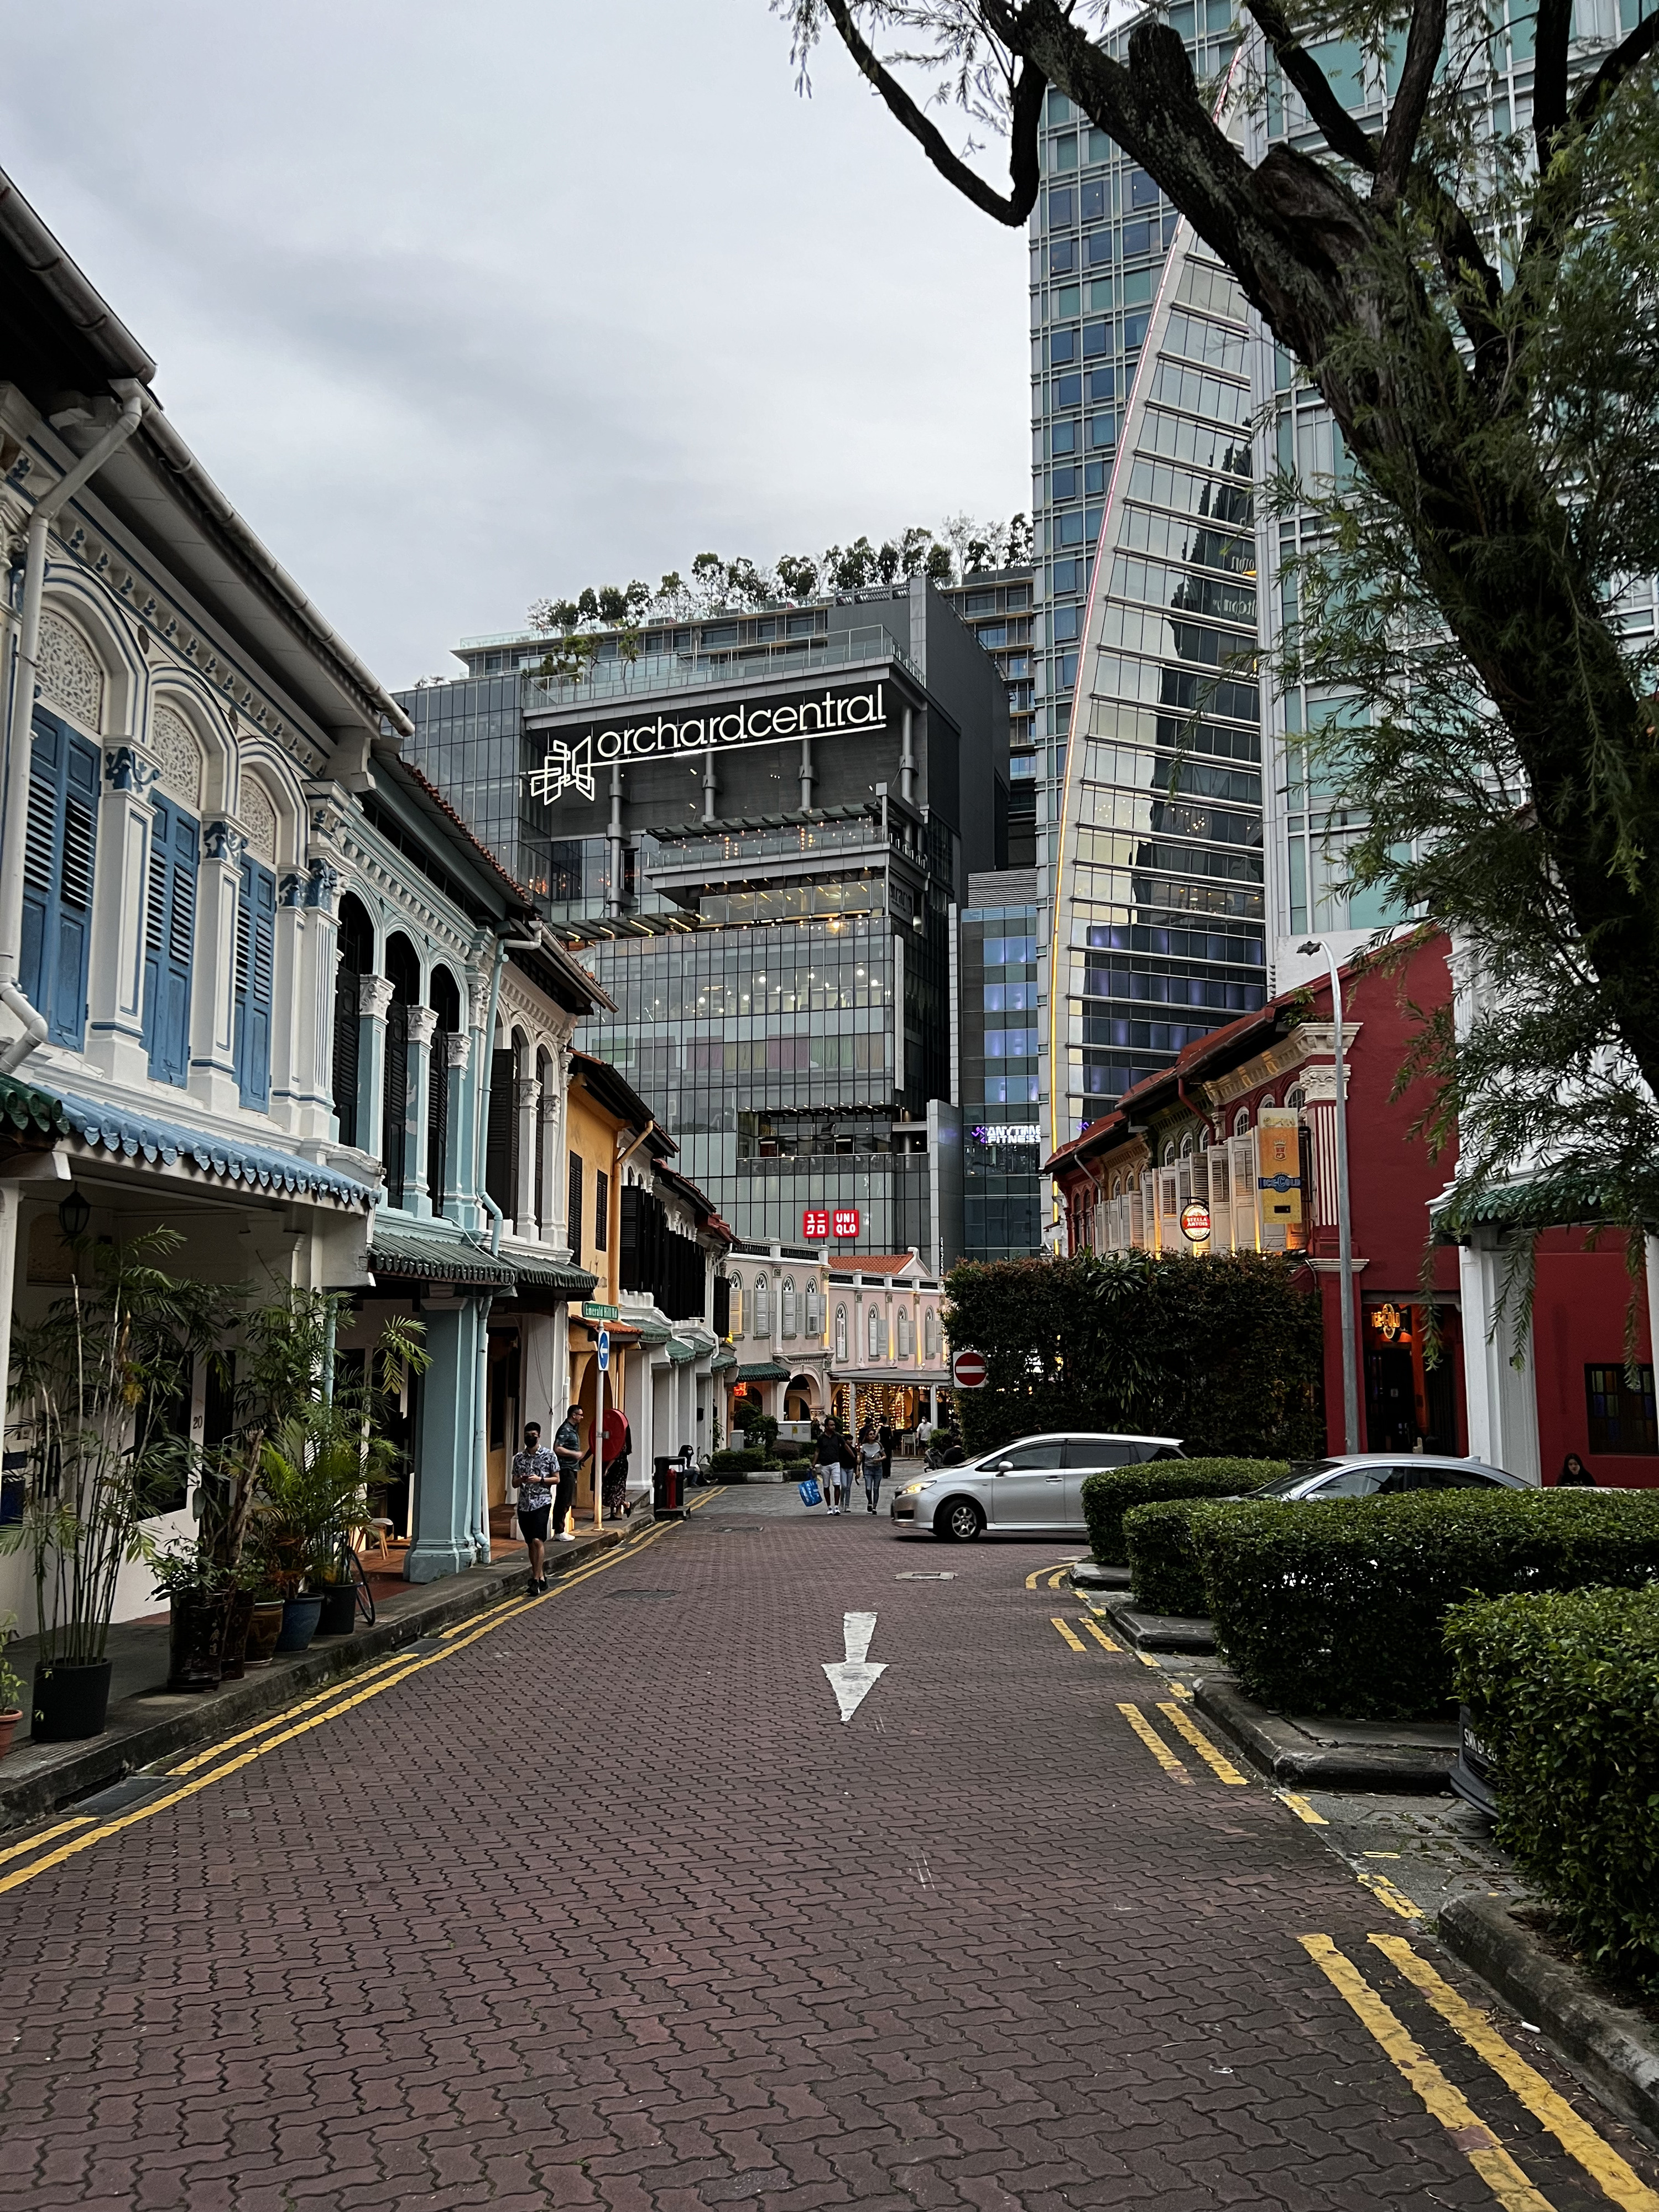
464,301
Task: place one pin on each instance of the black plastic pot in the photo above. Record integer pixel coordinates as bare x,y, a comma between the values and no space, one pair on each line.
196,1635
70,1703
339,1614
239,1615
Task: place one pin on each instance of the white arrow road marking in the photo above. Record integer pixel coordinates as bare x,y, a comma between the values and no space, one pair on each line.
852,1679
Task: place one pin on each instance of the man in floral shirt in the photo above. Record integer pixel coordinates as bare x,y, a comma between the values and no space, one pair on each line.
535,1473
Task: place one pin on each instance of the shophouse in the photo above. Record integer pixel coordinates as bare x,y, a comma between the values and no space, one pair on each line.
252,962
777,1311
887,1346
1252,1106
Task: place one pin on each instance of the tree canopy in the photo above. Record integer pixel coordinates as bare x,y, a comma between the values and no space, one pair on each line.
1478,306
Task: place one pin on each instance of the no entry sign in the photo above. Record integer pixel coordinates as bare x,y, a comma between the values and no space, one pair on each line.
967,1369
1195,1221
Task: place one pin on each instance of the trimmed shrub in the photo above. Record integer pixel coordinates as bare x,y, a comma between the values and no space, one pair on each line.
737,1463
1337,1606
1108,1496
1166,1573
1564,1690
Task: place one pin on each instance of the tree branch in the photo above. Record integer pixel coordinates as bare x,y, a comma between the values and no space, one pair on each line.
1614,69
1423,44
1561,195
1336,126
1012,209
1549,76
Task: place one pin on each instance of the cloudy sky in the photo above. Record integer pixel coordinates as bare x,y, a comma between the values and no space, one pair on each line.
464,301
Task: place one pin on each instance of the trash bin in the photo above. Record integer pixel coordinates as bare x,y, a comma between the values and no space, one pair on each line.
665,1486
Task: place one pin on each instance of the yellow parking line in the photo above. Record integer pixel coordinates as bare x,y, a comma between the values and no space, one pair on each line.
391,1674
22,1850
216,1751
1075,1642
1301,1808
1155,1743
1445,2104
1575,2135
1057,1578
1103,1640
1147,1660
1055,1566
1211,1754
1396,1899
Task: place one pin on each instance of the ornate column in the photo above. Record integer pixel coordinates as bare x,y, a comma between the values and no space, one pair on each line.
547,1196
115,985
312,1076
213,981
422,1021
526,1097
373,999
459,1201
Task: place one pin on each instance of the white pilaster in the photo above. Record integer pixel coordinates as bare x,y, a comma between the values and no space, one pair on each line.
422,1023
115,989
1499,1375
526,1100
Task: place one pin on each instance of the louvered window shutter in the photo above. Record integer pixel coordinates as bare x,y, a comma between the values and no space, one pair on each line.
394,1118
59,843
169,939
499,1131
256,968
437,1119
347,1014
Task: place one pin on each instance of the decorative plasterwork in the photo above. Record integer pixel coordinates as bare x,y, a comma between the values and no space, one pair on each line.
375,996
458,1047
67,670
526,1092
259,820
222,841
179,753
394,882
422,1022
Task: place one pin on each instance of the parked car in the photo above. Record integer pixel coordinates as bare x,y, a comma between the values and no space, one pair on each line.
1387,1475
1033,1487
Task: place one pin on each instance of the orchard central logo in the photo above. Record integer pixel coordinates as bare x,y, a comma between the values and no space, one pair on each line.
571,764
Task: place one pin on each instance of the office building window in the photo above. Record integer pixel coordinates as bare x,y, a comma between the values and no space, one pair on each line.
1621,1419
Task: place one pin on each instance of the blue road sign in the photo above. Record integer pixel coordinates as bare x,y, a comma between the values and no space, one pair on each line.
605,1349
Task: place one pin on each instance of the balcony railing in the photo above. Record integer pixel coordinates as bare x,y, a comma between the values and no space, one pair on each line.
663,672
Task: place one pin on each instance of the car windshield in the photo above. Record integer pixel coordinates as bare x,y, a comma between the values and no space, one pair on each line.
1282,1485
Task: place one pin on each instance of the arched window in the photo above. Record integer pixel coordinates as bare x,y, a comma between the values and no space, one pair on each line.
402,967
1242,1123
1169,1153
736,1322
1186,1146
1117,1186
1296,1097
791,1312
762,1306
356,955
815,1312
875,1332
930,1332
904,1332
445,999
1265,1104
256,947
841,1335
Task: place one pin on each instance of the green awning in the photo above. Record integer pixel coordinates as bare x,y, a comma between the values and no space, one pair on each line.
28,1110
679,1353
651,1331
423,1255
766,1370
569,1282
1567,1198
723,1358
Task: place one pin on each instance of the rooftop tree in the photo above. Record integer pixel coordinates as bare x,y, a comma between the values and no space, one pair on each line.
1479,312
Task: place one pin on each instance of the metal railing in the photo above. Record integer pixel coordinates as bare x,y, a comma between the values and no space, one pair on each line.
662,672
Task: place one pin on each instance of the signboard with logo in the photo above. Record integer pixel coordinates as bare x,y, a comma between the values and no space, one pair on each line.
1279,1164
820,1224
968,1368
1195,1221
575,757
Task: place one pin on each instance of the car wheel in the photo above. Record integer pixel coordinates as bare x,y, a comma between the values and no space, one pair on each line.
960,1520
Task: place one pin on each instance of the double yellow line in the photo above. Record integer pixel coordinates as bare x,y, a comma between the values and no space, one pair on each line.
81,1832
1446,2104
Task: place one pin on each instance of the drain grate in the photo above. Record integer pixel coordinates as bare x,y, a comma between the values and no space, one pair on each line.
136,1789
423,1646
925,1575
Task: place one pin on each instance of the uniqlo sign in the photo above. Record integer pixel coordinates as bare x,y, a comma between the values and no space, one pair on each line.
819,1224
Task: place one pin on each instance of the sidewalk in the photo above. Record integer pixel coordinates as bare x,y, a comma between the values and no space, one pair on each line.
145,1724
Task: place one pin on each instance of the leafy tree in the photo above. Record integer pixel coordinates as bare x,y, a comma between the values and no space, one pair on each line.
1479,313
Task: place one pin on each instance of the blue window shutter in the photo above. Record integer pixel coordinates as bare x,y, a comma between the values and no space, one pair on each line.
256,965
60,846
170,939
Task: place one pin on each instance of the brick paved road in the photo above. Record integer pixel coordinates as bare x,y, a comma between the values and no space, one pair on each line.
608,1909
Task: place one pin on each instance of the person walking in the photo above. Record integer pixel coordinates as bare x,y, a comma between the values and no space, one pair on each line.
886,1451
616,1442
871,1460
568,1444
828,1460
849,1460
535,1473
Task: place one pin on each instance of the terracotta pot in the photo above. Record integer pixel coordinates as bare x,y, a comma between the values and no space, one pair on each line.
264,1626
239,1614
9,1729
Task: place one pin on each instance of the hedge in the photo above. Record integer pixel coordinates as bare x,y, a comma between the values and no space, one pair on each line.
1108,1496
1225,1352
1165,1572
736,1462
1337,1606
1564,1690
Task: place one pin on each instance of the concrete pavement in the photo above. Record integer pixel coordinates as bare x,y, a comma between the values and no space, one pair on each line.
600,1903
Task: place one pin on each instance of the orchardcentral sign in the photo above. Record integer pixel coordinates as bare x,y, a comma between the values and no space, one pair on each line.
571,762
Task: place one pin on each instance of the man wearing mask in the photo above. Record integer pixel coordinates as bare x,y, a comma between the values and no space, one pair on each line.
535,1472
568,1444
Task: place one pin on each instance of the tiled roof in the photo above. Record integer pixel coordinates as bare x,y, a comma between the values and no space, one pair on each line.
27,1108
397,1247
764,1370
138,1135
882,1263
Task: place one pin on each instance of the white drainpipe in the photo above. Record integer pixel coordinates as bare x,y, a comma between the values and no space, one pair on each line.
20,724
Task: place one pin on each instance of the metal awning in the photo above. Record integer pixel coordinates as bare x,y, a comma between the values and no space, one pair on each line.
118,1130
418,1254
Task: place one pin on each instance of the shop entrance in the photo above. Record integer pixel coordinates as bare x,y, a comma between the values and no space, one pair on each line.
501,1439
1407,1401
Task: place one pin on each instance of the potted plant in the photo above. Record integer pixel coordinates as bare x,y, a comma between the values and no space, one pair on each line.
101,1371
197,1603
11,1689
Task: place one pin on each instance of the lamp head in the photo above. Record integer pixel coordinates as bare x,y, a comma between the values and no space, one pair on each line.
1313,944
73,1215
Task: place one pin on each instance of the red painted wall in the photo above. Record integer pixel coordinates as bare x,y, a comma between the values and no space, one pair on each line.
1578,1320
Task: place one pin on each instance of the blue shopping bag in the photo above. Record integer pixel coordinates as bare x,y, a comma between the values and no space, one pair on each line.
810,1493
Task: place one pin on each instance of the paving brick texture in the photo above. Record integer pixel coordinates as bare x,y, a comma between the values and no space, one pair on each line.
610,1909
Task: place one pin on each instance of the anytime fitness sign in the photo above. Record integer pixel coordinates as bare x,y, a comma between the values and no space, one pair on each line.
570,762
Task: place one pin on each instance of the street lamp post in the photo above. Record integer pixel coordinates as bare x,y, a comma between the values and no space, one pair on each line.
1344,1219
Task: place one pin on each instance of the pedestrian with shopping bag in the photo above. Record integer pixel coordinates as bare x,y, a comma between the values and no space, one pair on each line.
828,1460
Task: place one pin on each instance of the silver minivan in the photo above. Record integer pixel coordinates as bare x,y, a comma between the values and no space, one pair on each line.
1033,1487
